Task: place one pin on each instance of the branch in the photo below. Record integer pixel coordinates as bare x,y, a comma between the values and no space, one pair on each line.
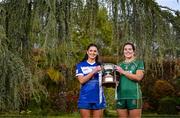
168,8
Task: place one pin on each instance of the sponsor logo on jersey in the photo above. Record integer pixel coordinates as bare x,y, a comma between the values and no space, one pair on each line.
87,69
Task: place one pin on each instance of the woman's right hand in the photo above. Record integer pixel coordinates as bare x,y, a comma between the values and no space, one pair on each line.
97,69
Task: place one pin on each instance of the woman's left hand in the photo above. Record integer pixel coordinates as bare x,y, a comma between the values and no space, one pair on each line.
119,69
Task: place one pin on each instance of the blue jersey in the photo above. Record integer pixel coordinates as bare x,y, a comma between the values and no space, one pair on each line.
91,91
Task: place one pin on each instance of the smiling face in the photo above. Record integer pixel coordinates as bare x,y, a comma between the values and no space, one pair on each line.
129,51
92,52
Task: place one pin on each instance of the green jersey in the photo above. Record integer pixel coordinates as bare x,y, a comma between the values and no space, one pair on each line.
127,88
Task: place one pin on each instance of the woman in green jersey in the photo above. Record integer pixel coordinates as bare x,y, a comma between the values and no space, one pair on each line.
129,97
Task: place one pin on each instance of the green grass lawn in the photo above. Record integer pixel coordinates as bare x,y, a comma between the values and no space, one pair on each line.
76,115
110,114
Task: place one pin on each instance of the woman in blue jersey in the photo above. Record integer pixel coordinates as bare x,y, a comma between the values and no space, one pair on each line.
91,99
129,97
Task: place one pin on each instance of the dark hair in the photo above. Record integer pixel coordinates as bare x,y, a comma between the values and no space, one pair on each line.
128,43
86,56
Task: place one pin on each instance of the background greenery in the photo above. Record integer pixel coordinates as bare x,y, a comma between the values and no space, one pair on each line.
42,40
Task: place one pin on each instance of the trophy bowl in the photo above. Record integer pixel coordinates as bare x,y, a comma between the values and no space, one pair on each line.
109,75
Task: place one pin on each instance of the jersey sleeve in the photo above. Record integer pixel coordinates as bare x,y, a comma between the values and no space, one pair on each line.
78,70
140,65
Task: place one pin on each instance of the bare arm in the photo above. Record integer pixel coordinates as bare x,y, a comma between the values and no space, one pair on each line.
137,76
83,79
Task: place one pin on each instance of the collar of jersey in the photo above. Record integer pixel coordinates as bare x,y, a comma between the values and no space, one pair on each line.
91,63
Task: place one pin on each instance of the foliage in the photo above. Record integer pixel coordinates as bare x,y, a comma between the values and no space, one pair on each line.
176,79
110,98
163,88
42,39
18,85
55,75
165,72
167,105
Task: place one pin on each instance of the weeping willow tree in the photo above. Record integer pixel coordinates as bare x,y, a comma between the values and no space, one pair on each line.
154,32
40,37
17,84
143,23
18,81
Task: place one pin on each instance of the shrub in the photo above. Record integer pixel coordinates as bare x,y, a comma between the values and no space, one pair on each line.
110,98
167,105
147,106
176,83
163,88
